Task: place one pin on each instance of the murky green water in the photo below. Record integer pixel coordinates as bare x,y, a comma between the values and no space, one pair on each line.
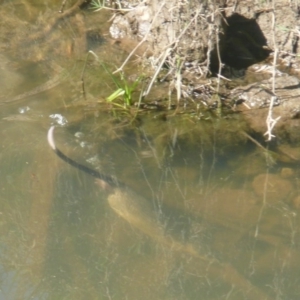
215,219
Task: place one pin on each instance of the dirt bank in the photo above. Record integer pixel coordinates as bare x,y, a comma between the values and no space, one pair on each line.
196,40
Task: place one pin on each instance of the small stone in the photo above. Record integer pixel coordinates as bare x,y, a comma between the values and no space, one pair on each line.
296,202
287,173
293,153
272,187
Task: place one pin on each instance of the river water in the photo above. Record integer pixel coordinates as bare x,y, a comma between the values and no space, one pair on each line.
214,217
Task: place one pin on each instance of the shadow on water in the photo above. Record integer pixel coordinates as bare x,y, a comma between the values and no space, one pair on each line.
220,222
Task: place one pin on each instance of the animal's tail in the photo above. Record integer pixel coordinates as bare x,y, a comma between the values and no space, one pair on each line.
106,178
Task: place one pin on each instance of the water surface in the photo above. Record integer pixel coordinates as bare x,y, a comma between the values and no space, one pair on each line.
207,186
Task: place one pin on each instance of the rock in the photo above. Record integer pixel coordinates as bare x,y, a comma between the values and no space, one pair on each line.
10,79
259,94
287,172
256,98
292,152
191,29
271,187
228,207
120,28
296,202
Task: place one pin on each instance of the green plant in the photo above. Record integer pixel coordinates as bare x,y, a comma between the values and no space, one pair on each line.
97,5
124,89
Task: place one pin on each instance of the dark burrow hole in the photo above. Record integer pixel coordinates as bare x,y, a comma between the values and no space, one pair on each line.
241,45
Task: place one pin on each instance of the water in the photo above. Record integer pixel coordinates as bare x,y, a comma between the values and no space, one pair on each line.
223,221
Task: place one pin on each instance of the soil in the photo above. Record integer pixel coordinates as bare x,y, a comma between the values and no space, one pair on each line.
191,37
186,40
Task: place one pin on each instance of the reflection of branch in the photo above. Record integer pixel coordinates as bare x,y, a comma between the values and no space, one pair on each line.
253,140
52,23
270,121
271,156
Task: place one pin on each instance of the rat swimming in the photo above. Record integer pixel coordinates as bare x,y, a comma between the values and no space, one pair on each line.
139,213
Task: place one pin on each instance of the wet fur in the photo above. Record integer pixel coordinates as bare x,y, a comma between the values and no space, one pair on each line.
138,212
132,207
107,180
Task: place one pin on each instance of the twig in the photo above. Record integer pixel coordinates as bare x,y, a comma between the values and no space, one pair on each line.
178,81
253,140
271,122
142,41
157,71
83,71
61,10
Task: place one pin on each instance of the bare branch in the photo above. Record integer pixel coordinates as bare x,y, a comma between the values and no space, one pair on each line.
271,122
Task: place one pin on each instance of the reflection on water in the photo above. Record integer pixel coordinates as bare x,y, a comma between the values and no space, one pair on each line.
219,223
62,239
